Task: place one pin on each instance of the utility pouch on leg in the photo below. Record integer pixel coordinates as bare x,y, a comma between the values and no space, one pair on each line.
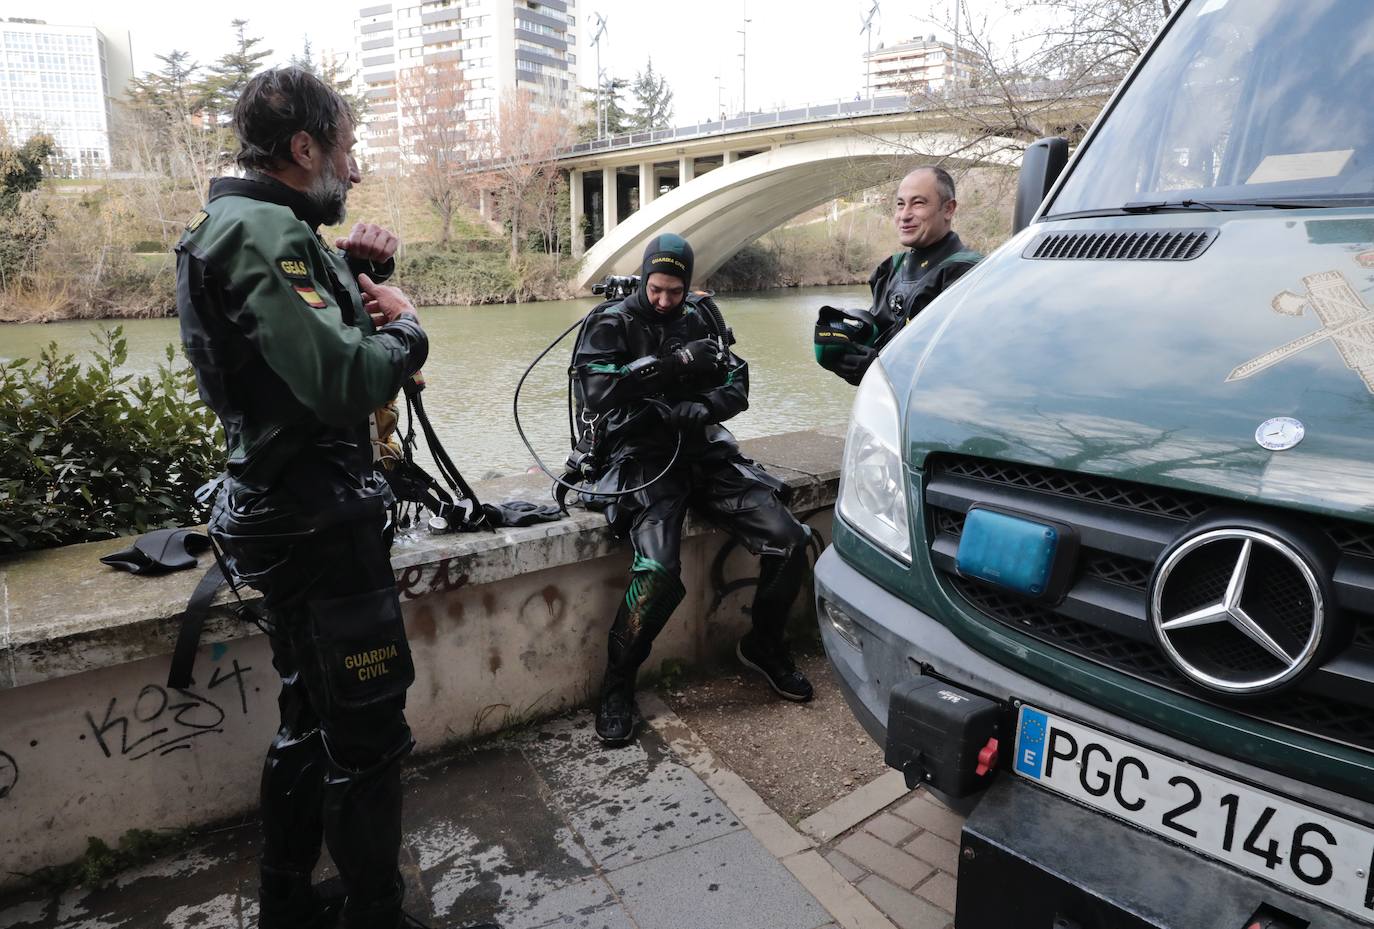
362,650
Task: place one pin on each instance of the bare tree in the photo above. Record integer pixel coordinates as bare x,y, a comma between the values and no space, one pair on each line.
550,211
521,147
435,143
1010,87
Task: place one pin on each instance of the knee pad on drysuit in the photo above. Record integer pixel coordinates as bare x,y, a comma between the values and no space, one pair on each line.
362,816
653,594
292,797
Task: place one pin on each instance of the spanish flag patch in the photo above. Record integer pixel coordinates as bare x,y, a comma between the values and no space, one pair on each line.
309,295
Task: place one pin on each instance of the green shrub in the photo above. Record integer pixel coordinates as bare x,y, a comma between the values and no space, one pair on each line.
89,453
431,277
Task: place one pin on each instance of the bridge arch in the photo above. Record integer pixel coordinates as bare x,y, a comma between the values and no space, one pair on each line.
723,210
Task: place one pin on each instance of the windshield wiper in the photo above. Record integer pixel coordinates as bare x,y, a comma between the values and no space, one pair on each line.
1221,206
1165,206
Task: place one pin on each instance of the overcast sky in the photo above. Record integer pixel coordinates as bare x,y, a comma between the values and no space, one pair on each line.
797,53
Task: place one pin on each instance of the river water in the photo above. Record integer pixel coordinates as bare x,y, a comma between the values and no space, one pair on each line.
477,355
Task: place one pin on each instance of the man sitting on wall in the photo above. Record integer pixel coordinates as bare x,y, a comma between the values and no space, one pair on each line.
656,370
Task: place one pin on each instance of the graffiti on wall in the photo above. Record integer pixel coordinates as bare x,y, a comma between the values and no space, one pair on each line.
160,721
422,580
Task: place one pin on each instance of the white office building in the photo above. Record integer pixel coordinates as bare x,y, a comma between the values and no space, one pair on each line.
500,45
60,80
917,66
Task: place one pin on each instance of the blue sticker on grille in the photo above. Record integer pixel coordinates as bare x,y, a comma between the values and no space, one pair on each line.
1030,742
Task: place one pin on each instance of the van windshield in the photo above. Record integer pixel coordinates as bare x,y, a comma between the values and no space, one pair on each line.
1265,101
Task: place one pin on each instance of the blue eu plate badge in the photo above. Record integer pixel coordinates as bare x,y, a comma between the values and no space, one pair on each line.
1030,742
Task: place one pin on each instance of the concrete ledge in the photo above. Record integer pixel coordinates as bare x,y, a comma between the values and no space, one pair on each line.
66,613
505,627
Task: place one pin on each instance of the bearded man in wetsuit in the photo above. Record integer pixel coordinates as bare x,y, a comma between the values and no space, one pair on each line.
295,343
655,371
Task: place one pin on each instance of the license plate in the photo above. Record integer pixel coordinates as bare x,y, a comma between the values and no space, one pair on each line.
1006,550
1306,851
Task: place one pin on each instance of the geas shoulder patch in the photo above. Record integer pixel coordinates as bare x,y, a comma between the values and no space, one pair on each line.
294,268
297,272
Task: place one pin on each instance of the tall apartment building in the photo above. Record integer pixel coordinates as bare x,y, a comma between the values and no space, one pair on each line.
61,80
916,66
500,45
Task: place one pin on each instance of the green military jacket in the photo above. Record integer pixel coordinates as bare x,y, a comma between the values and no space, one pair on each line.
272,320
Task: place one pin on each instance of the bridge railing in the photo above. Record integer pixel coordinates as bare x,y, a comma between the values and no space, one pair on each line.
789,116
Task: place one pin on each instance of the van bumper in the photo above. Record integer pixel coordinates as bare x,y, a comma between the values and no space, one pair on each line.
1030,858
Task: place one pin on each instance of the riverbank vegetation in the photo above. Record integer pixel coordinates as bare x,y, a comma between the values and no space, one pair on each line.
89,452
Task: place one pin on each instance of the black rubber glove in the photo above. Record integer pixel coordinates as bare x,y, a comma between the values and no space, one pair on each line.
855,363
699,360
689,416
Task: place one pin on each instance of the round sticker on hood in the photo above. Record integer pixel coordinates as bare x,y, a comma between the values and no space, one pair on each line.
1280,433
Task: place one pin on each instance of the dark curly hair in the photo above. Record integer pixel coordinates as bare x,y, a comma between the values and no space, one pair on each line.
278,103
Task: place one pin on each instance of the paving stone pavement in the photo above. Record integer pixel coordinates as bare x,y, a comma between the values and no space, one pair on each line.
904,859
540,829
547,828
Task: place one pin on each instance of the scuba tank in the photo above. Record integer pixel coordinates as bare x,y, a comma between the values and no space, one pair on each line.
585,464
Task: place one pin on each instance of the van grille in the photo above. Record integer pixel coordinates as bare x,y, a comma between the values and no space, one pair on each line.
1125,526
1111,245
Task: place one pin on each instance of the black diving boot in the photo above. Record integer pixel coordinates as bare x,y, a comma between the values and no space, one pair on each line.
615,712
288,901
651,598
764,649
774,662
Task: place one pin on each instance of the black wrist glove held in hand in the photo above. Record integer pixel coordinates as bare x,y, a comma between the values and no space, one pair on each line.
689,415
855,362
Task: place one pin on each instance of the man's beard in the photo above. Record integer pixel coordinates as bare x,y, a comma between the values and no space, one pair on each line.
329,194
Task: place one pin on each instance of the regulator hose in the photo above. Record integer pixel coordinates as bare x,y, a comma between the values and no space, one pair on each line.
582,488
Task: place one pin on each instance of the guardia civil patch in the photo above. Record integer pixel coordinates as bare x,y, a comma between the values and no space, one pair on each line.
309,295
196,220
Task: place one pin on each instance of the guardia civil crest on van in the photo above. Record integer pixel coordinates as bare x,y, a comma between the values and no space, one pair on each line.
1347,320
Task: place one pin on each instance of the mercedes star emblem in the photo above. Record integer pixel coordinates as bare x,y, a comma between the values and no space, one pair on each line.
1238,610
1280,433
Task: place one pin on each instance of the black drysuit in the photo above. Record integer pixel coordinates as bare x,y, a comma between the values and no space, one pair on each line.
903,285
273,322
710,475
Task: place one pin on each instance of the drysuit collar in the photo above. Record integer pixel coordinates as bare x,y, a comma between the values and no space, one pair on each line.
926,257
256,186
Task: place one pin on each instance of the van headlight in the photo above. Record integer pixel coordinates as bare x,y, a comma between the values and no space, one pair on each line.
872,482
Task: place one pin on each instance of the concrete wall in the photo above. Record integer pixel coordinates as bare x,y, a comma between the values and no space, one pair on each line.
505,626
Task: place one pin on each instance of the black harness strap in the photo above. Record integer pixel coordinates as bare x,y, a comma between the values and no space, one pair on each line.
192,622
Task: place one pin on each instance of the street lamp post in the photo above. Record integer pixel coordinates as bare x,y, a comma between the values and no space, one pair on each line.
596,43
744,59
867,28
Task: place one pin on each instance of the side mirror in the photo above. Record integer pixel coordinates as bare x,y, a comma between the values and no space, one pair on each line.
1040,168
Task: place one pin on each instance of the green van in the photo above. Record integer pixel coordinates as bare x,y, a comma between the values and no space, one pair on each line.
1103,561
